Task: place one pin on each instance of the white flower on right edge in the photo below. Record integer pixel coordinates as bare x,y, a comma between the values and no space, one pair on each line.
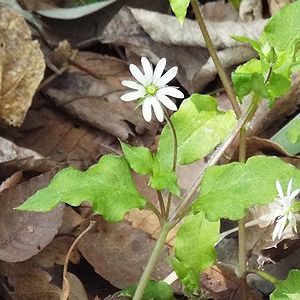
282,211
151,88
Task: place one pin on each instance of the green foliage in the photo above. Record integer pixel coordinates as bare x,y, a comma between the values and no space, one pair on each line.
288,137
227,190
288,289
179,8
157,290
236,3
278,50
194,249
139,158
200,127
108,185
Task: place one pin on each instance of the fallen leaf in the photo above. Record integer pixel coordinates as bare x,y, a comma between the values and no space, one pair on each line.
92,90
21,69
25,234
77,291
37,285
11,181
119,253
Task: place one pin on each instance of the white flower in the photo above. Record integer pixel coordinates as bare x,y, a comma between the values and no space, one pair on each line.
151,88
282,212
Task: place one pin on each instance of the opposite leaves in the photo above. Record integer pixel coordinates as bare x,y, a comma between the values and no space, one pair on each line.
108,185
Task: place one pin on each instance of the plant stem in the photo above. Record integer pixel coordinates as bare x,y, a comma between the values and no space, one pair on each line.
184,205
159,246
213,53
161,205
266,276
175,145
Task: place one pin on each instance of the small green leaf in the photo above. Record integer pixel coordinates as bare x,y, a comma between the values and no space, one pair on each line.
200,127
228,190
108,185
288,289
288,137
139,158
179,8
244,39
157,290
164,178
194,249
277,85
283,29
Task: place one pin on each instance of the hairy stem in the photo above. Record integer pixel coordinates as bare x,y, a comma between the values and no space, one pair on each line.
158,248
175,145
213,53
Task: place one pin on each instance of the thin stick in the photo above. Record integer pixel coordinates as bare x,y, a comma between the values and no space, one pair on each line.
213,53
66,286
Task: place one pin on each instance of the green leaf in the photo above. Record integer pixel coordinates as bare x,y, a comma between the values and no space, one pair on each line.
283,29
157,290
164,178
108,185
244,39
277,85
288,137
200,127
288,289
139,158
194,249
179,8
228,190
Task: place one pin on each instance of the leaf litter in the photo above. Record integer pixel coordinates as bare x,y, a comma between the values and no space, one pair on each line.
76,118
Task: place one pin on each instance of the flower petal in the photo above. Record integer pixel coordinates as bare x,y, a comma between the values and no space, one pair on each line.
294,194
279,190
172,91
159,69
148,70
132,96
159,113
166,101
137,74
279,228
167,77
147,110
133,85
289,188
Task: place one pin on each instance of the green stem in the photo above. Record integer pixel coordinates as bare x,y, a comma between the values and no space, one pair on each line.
188,198
213,53
175,145
266,276
158,248
161,205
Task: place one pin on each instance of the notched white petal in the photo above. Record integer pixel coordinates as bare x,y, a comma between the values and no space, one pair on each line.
147,110
137,74
132,96
133,85
159,69
166,101
167,77
148,70
279,189
159,113
172,91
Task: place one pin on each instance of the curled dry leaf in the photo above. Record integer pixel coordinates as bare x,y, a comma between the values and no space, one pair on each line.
25,234
21,67
91,91
119,253
37,285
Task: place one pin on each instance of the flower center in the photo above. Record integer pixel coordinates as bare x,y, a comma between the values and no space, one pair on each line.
151,89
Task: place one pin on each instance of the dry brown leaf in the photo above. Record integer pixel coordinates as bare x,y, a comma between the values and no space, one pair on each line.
91,91
37,285
119,253
25,234
221,283
65,140
21,67
11,181
77,291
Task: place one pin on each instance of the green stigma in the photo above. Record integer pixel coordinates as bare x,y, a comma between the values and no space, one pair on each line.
151,89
